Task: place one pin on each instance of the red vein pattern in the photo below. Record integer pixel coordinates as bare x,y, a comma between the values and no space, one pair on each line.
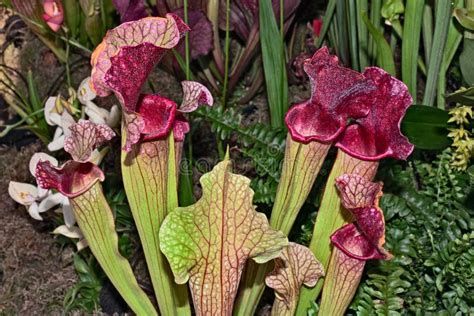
194,95
164,33
293,189
356,191
96,221
209,242
72,179
361,197
296,266
342,278
85,137
145,176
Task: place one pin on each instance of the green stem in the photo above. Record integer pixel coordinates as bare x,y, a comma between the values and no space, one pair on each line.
453,41
68,70
149,177
293,190
331,216
353,39
375,19
362,6
94,217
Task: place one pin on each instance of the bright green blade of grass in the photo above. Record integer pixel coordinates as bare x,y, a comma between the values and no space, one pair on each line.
362,6
376,20
452,44
411,43
427,29
329,13
384,52
443,17
353,39
342,35
273,64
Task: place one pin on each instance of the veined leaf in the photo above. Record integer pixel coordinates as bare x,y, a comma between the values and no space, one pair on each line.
296,266
209,242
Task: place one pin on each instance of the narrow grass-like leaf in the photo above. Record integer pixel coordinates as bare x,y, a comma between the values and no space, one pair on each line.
209,242
411,43
363,36
353,38
443,17
35,100
376,21
452,44
274,64
384,52
342,31
328,15
427,29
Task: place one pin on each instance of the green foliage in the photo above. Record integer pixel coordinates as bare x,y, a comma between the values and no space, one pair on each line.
429,231
84,295
263,145
384,55
28,106
426,127
274,63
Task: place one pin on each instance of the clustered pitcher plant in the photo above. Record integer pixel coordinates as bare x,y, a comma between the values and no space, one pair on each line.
204,248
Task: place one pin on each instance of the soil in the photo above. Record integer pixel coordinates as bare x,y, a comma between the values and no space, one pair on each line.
35,273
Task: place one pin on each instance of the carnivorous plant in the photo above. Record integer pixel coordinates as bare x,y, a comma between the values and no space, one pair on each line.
207,245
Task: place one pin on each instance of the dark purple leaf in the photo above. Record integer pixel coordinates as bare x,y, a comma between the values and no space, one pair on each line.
130,10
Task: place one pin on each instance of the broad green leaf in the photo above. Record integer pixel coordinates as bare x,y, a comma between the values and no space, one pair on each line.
426,127
465,61
296,267
209,242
